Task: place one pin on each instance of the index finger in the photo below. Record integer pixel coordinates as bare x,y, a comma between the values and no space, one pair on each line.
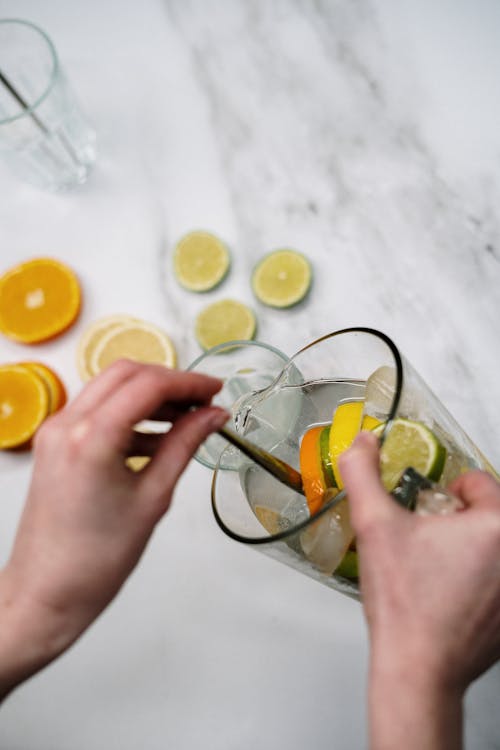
145,392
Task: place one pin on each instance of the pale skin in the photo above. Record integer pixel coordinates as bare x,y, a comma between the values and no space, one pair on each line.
88,518
431,596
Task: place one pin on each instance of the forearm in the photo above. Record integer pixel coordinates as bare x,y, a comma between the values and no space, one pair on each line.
408,708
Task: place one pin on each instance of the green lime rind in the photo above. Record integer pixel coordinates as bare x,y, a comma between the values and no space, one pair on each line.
324,449
349,567
410,443
271,291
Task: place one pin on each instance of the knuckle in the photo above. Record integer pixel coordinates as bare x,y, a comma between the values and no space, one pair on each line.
478,481
78,436
124,366
49,433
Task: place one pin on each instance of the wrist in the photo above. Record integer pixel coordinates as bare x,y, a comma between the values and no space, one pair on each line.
30,637
411,705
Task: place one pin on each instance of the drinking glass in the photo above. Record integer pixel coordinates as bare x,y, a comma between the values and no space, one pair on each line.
355,365
44,137
247,368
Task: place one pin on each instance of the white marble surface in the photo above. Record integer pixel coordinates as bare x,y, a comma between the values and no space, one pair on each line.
365,134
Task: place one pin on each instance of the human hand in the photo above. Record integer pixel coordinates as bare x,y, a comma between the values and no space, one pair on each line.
430,588
88,517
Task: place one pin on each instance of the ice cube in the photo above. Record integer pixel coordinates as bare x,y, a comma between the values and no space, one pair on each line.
325,541
437,502
379,393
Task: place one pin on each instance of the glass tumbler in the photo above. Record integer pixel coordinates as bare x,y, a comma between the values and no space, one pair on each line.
44,138
247,368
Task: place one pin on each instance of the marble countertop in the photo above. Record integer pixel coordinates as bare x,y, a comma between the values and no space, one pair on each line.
365,134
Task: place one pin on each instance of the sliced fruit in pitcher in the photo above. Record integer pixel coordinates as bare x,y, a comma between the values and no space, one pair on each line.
311,469
345,426
408,444
349,567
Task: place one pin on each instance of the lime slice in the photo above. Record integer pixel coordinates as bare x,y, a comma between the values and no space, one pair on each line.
201,261
282,278
346,424
348,568
326,462
410,444
226,320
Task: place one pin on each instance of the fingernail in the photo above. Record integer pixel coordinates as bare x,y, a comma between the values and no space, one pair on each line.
364,438
218,417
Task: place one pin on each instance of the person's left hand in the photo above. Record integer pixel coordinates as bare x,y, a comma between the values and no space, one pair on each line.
88,517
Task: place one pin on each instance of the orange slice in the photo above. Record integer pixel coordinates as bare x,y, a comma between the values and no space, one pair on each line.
24,404
311,468
39,299
55,386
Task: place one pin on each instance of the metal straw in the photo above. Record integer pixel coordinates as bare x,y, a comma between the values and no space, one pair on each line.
275,466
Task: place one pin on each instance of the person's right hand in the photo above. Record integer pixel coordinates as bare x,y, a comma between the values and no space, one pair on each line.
430,585
88,517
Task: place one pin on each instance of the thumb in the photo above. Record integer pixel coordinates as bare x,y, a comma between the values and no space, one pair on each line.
177,448
360,469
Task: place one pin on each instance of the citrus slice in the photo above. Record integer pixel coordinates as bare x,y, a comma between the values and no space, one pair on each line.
369,422
311,468
136,340
201,261
91,338
55,387
315,466
346,424
39,299
24,404
282,278
410,444
137,463
226,320
270,519
326,461
349,567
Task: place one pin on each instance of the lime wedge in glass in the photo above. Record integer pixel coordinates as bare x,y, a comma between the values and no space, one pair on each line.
408,444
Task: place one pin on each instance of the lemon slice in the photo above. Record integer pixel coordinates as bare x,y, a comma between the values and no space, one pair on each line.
346,424
137,463
201,261
226,320
282,278
137,340
410,444
91,338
